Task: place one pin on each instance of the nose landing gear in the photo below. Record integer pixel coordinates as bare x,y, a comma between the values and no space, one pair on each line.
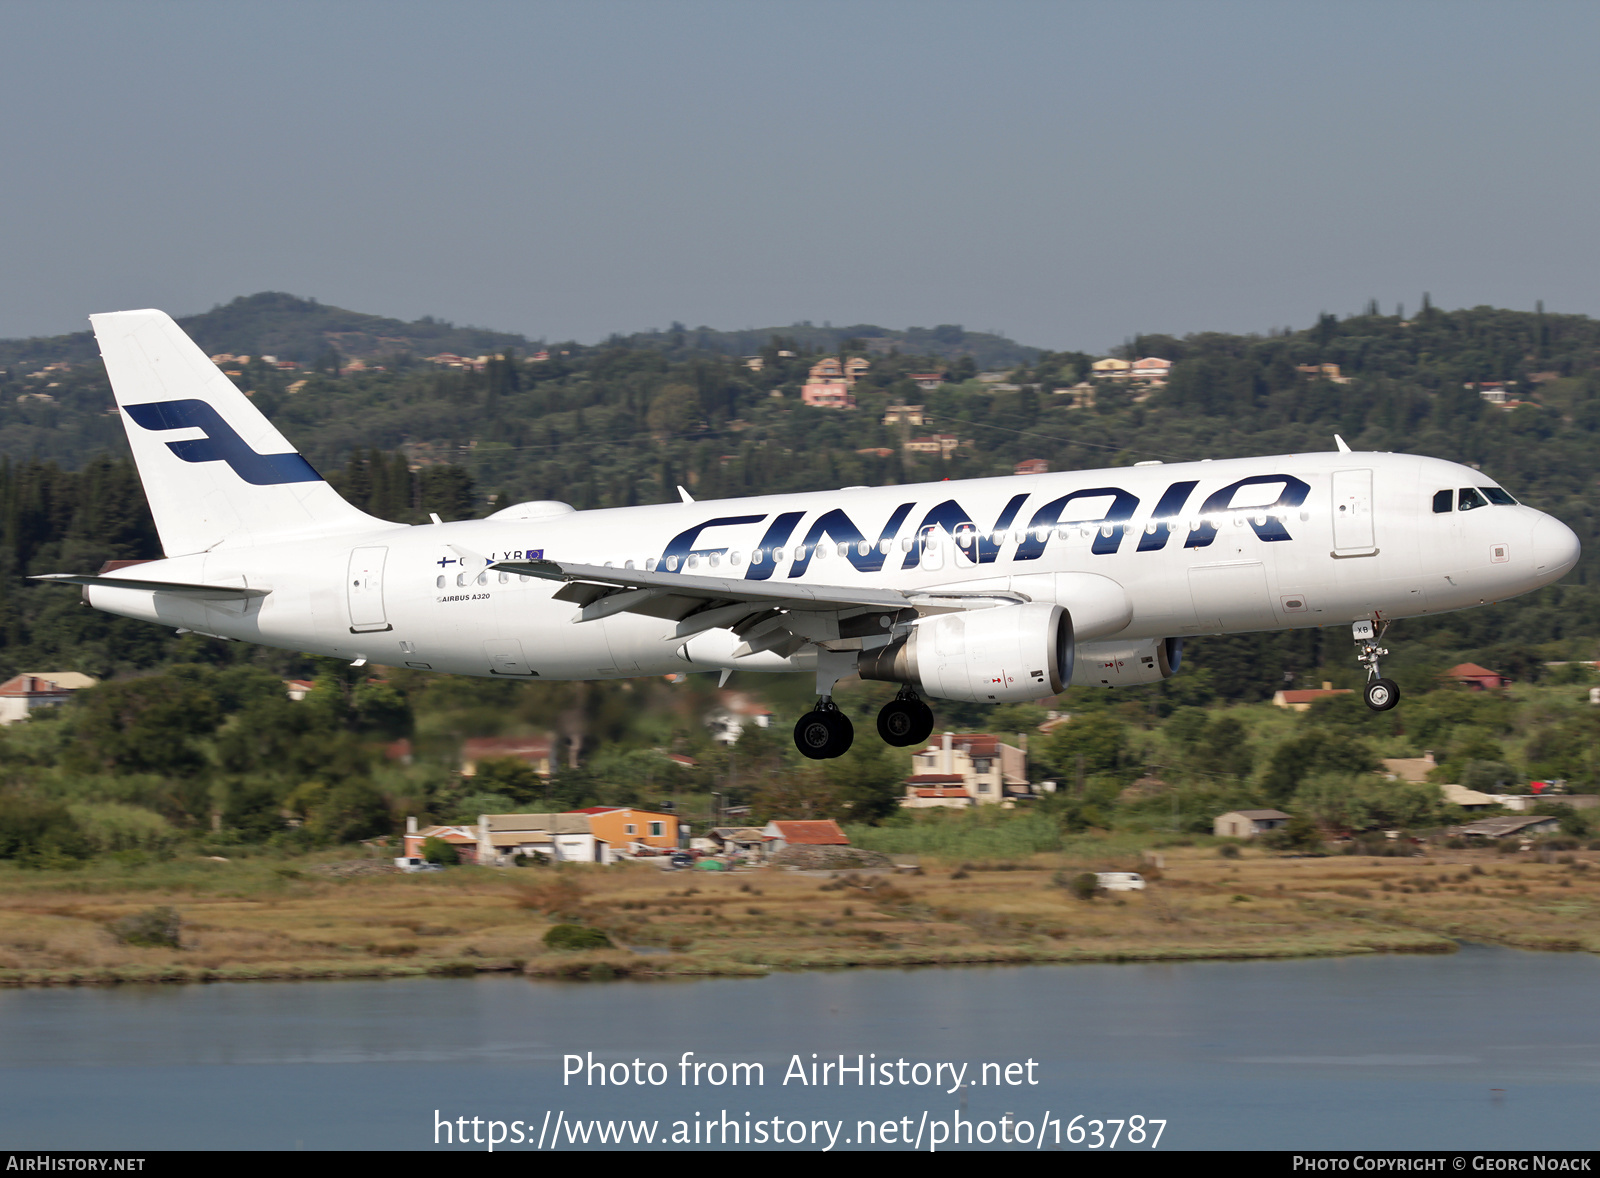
905,720
1381,694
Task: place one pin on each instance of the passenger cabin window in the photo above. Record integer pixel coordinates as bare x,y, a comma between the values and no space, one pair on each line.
1442,501
1499,497
1467,498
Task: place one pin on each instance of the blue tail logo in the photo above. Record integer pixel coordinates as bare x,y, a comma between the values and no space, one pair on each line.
221,443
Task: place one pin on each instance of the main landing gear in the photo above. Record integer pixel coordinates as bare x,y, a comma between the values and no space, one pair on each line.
824,732
905,720
1381,694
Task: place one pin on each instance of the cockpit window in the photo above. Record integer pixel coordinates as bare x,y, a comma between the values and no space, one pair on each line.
1467,498
1498,496
1443,501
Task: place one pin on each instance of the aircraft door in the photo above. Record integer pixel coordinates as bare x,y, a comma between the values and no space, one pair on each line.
1352,513
929,541
364,587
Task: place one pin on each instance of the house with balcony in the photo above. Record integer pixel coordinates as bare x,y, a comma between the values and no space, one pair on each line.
967,769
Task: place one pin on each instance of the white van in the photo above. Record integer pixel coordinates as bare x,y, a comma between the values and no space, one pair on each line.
1120,881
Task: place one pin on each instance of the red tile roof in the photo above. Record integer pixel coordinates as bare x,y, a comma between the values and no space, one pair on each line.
943,793
478,747
1312,694
1472,671
31,685
976,744
824,833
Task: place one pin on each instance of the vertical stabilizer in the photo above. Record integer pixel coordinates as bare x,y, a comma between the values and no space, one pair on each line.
214,468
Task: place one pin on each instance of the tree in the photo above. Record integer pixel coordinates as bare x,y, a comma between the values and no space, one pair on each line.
1295,760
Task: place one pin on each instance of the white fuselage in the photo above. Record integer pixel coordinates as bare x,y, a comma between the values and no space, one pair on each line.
1133,553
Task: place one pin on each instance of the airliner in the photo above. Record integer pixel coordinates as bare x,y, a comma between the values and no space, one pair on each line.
986,590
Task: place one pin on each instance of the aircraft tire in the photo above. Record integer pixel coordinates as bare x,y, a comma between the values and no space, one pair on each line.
821,736
905,722
1381,694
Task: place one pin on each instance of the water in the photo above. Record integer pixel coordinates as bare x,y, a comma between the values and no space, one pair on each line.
1485,1049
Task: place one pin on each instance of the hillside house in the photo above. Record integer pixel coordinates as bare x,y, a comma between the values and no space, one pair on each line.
1476,678
829,384
1512,827
22,695
1248,824
1321,372
561,838
735,710
635,832
1031,466
1301,701
463,838
1409,768
910,414
1152,368
530,750
812,833
942,445
927,381
1468,799
976,764
1082,395
1111,369
746,842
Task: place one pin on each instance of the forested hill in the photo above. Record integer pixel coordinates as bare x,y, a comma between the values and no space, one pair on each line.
287,327
313,333
626,421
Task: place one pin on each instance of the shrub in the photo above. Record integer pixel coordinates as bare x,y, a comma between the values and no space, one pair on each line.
1228,851
576,936
1084,886
436,850
154,928
114,826
560,896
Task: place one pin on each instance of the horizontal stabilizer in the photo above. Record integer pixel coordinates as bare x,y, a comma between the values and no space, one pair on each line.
216,592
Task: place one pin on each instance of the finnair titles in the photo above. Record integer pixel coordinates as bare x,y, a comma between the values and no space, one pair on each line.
987,590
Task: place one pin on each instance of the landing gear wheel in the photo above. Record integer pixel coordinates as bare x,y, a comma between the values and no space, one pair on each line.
1381,694
824,733
905,722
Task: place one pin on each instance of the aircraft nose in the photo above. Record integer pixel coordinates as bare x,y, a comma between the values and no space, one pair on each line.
1555,547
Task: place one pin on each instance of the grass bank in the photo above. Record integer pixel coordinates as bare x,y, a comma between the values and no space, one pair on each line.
256,920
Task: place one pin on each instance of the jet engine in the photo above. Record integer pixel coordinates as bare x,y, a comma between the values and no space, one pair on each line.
1124,664
1001,655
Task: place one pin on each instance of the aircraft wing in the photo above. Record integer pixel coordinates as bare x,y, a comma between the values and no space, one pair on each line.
781,617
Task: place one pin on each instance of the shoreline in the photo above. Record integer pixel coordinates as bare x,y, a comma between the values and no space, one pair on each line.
266,924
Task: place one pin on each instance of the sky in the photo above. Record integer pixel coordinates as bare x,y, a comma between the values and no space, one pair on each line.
1070,174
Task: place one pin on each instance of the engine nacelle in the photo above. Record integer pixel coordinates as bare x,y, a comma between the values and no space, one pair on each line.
1002,655
1124,664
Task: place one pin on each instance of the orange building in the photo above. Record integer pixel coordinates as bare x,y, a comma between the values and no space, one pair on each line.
631,830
